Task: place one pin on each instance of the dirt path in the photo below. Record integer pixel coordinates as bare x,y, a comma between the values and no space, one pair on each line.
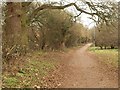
84,71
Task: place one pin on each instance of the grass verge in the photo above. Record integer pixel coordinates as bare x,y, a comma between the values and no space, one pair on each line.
108,56
34,67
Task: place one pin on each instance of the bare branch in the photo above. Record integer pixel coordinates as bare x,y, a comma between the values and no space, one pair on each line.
49,6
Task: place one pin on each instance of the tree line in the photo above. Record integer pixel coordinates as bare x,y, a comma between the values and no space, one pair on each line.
35,26
49,30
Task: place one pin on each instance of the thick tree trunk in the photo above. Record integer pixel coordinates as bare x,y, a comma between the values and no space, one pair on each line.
16,38
24,31
13,26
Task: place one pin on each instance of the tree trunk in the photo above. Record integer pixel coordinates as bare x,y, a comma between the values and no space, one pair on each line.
62,45
13,26
101,47
112,47
16,38
105,47
24,31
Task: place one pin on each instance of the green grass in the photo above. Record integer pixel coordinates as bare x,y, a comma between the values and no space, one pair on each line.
11,81
40,66
34,71
108,56
36,66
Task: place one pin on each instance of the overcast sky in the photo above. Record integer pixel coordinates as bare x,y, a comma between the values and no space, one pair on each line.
84,18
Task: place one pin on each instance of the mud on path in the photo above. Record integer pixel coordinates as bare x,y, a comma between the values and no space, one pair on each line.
81,70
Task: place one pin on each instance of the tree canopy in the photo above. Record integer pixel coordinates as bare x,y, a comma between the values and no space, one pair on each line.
25,22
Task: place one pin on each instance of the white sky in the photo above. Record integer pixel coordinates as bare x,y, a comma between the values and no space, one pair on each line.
83,17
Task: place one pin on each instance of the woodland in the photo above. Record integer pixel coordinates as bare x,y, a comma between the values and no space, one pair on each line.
48,26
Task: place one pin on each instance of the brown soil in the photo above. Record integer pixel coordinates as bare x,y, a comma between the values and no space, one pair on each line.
80,69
